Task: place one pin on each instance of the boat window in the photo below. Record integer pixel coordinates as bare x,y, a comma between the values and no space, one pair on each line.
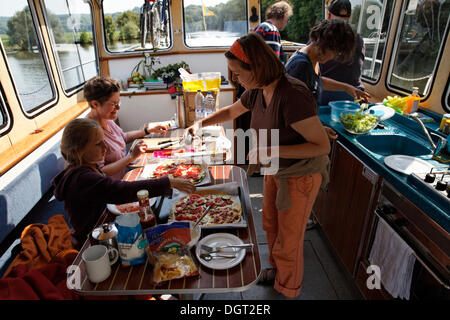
4,119
26,56
446,97
419,44
372,20
214,23
70,25
135,25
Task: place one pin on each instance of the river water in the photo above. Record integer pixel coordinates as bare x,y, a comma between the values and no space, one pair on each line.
33,81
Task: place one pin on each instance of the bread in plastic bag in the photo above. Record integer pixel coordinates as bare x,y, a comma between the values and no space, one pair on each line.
169,251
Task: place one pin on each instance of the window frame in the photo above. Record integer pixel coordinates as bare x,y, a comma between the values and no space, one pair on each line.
39,109
68,92
446,97
209,47
4,110
392,59
383,57
135,52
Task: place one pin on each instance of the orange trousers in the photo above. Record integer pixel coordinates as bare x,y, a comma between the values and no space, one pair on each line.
285,229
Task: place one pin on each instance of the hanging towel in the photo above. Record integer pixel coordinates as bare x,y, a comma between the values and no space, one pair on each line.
395,258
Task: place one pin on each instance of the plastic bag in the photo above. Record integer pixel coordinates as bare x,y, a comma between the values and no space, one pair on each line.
130,239
169,251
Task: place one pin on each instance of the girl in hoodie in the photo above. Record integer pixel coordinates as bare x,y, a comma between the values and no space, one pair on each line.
86,190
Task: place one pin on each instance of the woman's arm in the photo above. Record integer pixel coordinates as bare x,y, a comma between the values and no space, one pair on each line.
117,166
151,128
317,143
333,85
135,134
225,114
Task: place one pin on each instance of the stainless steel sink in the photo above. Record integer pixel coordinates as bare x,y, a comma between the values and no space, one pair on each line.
386,145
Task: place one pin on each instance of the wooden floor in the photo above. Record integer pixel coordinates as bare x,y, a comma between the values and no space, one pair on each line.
324,278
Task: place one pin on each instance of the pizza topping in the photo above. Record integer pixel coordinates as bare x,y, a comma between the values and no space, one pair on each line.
175,169
224,209
128,207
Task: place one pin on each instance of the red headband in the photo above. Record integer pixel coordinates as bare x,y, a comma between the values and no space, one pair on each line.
238,52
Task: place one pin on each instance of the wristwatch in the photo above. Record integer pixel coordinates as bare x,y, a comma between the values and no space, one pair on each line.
146,131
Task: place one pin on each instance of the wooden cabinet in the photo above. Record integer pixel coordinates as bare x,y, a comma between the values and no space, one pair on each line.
344,213
321,199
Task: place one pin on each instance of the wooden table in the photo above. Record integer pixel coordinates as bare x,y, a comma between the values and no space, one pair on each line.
136,280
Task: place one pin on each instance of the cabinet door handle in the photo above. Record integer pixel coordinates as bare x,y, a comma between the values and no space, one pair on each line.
370,175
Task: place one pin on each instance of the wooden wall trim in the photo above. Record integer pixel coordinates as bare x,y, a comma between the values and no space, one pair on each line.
160,53
12,155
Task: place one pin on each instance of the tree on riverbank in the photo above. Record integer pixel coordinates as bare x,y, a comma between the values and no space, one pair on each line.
306,14
22,34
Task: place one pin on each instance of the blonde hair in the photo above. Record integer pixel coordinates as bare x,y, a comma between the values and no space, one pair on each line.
76,136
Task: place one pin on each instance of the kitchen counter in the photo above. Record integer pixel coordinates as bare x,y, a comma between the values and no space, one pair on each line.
433,206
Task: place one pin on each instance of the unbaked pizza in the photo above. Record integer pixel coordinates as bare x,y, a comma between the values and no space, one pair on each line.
176,169
224,208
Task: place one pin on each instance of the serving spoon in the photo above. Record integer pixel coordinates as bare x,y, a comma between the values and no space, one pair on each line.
209,257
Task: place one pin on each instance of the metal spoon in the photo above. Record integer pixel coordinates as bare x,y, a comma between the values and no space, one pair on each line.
209,257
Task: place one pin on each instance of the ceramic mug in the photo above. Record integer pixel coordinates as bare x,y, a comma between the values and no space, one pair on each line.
98,264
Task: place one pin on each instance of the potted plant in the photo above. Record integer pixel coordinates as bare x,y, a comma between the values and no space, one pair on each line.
169,74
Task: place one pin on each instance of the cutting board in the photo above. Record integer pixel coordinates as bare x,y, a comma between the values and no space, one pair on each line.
152,143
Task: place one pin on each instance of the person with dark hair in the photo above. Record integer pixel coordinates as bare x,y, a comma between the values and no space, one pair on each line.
348,72
103,96
329,39
279,105
277,17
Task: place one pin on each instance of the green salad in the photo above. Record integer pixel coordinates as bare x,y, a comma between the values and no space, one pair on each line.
358,122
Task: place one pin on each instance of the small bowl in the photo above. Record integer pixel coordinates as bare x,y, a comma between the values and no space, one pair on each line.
352,122
337,107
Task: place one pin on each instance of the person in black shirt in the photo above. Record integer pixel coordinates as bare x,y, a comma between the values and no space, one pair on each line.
348,72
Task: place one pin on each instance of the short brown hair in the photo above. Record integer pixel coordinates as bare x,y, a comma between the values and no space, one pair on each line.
76,136
100,88
279,10
335,35
265,65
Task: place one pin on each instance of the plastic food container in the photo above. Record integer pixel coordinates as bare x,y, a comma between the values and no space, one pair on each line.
337,107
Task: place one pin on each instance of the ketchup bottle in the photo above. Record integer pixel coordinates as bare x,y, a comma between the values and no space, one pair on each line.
146,215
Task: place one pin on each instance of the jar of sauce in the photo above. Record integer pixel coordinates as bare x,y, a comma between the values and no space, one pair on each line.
146,214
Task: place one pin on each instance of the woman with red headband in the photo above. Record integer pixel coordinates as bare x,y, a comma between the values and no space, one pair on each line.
285,108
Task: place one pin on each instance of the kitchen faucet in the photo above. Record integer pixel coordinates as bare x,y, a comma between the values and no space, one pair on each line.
415,116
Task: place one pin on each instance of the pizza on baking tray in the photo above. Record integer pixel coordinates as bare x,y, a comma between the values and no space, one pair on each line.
224,209
176,169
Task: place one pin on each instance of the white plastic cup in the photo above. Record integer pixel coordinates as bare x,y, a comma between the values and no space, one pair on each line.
98,264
